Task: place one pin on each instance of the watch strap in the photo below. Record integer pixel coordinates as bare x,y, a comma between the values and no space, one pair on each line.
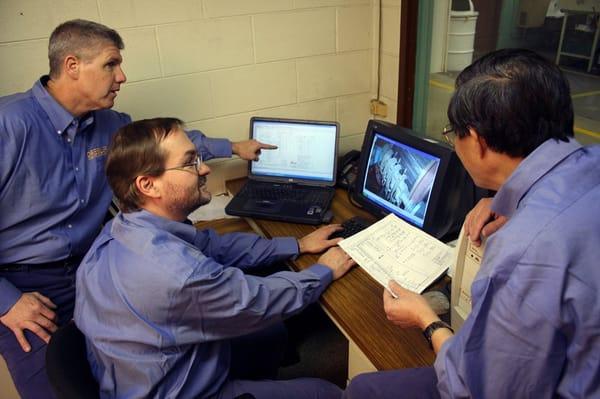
431,328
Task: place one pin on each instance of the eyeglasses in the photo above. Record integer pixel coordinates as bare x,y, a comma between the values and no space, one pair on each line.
449,134
186,166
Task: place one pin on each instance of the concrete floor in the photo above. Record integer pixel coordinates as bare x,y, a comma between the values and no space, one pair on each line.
585,91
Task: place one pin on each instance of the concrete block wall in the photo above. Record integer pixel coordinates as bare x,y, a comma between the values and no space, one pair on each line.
215,63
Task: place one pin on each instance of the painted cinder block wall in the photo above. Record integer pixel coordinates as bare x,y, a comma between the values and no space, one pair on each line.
215,63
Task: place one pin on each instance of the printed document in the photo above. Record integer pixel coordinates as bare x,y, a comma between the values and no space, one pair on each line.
392,249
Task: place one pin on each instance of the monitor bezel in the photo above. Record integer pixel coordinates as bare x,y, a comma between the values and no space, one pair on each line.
406,137
287,180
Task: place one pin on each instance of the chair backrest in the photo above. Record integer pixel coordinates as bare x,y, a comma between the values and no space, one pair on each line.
67,366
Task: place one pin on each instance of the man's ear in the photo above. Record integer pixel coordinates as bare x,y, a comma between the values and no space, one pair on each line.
71,65
480,145
147,187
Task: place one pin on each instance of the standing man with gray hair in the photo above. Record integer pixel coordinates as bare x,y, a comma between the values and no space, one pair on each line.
53,191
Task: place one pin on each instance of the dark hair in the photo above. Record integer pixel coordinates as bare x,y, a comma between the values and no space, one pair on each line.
135,151
515,99
78,37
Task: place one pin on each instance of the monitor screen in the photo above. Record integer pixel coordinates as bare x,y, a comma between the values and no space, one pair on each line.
402,173
306,150
400,178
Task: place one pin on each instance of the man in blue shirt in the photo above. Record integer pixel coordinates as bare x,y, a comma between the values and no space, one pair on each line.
533,331
161,303
53,192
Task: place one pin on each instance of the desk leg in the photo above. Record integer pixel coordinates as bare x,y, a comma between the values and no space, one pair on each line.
358,363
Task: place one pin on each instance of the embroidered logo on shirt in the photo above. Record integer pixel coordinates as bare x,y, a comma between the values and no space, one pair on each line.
97,152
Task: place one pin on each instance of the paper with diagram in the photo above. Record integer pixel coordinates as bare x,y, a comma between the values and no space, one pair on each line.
392,249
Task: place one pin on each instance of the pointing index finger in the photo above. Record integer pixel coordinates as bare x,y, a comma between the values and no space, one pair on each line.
267,146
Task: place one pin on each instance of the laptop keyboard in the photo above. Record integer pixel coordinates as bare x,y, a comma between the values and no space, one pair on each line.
286,192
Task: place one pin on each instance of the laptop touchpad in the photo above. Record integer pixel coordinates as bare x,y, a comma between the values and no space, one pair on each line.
264,206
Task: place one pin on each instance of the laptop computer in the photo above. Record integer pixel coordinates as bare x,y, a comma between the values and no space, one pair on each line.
294,183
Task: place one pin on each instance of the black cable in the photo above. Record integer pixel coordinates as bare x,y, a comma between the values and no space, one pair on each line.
350,198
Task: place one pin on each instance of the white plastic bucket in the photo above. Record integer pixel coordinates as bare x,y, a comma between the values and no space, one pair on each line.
461,37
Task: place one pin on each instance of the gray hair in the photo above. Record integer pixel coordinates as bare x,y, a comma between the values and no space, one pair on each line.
77,37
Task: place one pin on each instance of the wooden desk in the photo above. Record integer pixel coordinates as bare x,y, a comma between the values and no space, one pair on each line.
354,302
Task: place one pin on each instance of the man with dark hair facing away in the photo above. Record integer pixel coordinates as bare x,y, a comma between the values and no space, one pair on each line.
533,331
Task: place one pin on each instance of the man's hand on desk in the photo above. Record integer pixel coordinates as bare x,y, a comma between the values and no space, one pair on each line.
250,149
481,221
318,241
337,260
33,312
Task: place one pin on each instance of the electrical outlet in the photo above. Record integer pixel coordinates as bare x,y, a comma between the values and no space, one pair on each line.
378,108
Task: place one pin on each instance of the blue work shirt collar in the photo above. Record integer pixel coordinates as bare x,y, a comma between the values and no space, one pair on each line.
60,118
529,171
143,218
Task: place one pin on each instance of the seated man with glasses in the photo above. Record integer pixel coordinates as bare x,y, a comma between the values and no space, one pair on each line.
164,306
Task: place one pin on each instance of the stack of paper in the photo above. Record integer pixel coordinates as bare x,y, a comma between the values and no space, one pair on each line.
392,249
215,209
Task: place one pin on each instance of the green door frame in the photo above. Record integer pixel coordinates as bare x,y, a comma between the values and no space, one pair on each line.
423,33
422,63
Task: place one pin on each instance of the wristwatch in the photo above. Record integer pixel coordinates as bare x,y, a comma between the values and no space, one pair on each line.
430,329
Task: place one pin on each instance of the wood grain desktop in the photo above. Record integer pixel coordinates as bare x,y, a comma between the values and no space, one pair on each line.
354,302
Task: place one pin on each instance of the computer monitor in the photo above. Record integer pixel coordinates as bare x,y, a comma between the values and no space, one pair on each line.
420,180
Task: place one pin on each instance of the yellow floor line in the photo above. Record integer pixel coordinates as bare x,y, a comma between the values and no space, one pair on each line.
581,130
578,130
440,85
586,94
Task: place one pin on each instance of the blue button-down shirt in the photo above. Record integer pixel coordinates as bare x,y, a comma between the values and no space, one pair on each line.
53,190
534,331
158,301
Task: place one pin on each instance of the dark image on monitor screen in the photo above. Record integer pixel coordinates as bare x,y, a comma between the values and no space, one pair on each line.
400,178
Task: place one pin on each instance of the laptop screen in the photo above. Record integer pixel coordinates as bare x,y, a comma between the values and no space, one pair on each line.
307,150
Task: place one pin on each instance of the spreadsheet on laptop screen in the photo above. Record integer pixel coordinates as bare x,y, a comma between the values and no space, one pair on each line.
305,151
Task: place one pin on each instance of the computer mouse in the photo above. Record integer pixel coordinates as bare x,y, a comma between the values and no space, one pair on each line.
438,301
327,216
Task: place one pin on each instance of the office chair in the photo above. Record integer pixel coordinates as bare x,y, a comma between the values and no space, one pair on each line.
67,365
68,368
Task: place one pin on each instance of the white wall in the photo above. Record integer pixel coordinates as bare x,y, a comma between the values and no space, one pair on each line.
214,63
